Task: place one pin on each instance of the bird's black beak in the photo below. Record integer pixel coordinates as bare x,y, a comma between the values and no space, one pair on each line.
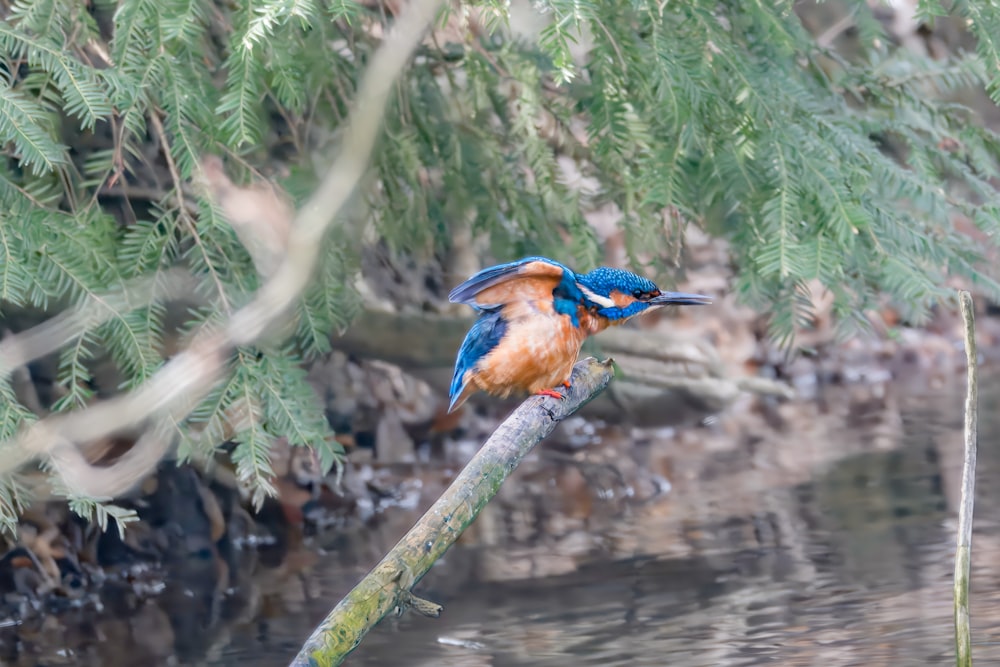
680,299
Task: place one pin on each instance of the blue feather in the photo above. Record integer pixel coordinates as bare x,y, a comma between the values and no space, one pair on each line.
628,311
467,291
567,304
482,339
603,280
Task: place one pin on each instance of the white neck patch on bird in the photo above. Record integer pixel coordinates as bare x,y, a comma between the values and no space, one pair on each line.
602,301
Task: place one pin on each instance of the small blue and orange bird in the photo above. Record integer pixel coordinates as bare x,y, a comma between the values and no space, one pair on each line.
534,315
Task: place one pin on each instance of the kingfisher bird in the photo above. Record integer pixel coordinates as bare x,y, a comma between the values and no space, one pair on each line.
534,315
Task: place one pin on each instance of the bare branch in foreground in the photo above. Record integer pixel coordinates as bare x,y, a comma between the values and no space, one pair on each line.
19,349
387,586
963,552
189,376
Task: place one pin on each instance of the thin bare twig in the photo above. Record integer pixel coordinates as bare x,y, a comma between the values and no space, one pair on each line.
175,176
26,346
830,35
963,552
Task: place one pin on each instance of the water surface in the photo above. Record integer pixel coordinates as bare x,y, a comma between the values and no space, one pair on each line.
829,542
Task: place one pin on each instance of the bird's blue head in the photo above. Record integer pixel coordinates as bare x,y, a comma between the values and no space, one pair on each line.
618,295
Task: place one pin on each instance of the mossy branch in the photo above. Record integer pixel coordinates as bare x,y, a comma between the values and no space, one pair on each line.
387,586
963,553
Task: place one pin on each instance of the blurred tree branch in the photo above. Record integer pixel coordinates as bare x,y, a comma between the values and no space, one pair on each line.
186,378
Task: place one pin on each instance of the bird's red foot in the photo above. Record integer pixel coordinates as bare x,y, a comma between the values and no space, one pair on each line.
566,384
549,392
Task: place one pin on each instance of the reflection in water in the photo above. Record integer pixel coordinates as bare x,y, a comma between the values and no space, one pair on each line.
826,540
752,561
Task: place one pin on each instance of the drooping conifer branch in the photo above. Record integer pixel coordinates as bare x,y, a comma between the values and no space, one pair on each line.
174,389
843,163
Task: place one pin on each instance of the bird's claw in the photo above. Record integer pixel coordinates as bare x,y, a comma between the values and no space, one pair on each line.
554,394
550,392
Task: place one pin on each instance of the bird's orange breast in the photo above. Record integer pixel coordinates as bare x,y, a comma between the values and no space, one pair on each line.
537,352
591,324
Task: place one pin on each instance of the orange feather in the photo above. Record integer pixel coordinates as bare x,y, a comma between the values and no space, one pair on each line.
538,352
518,289
621,299
534,280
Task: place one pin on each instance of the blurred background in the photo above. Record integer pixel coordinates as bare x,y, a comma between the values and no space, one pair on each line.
770,479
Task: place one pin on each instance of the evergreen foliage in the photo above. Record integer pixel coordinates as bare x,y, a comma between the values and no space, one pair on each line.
848,170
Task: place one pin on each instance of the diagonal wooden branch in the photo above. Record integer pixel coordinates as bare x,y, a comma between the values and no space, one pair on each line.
190,375
387,586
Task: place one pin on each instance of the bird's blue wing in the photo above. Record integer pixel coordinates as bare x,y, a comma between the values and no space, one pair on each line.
482,338
528,278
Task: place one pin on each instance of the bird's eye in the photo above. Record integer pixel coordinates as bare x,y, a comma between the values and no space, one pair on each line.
638,293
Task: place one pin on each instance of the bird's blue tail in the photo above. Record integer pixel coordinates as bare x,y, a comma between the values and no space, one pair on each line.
484,335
